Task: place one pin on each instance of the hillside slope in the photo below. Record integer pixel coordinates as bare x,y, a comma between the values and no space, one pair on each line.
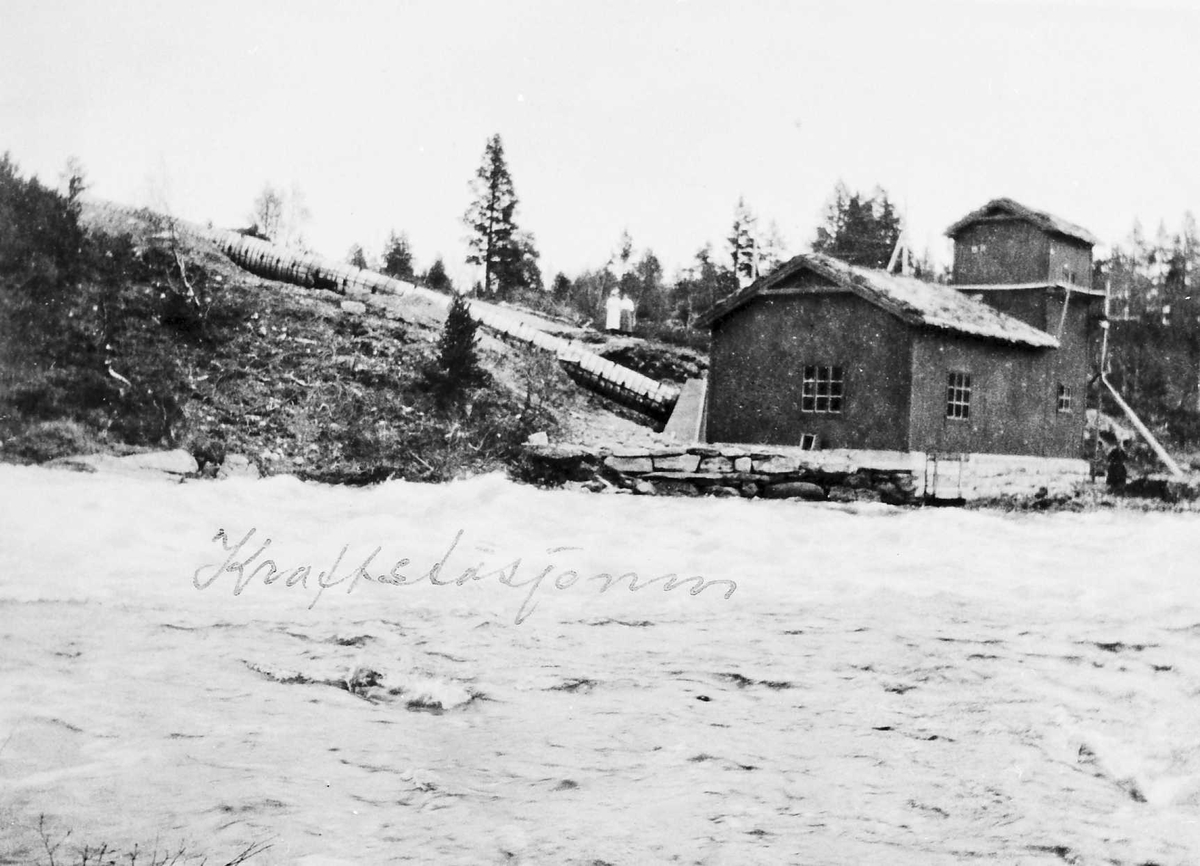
299,380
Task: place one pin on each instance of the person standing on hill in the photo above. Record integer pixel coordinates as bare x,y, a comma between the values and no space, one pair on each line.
628,313
612,311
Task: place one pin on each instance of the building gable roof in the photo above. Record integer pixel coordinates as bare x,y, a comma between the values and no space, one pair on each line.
1007,209
911,300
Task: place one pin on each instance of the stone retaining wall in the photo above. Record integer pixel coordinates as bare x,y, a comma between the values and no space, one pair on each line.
891,477
727,471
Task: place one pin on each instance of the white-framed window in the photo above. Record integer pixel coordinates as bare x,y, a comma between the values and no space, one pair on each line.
1064,398
823,390
958,396
808,441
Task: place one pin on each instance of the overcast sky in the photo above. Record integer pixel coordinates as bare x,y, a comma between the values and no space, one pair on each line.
648,116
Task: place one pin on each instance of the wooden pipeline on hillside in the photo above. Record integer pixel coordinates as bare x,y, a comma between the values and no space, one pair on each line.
589,369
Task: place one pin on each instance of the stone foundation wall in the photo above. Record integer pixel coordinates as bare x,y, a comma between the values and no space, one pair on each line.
702,470
891,477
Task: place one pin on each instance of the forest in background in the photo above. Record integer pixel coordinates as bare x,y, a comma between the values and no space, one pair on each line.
1154,336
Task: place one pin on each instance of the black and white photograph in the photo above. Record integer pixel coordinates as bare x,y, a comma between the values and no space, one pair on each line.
599,434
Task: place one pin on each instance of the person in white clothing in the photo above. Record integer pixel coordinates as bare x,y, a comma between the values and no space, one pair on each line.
628,313
612,311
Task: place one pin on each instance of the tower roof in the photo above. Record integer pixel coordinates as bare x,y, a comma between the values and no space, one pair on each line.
1004,209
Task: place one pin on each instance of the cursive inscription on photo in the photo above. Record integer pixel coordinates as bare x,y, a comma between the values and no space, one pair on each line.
246,567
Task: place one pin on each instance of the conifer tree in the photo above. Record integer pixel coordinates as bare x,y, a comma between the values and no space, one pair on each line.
495,241
397,257
356,258
436,277
457,357
772,249
743,243
859,230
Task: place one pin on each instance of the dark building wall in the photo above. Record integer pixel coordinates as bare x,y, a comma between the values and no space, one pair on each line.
757,364
1070,261
1072,365
1009,251
1014,397
1028,305
1009,406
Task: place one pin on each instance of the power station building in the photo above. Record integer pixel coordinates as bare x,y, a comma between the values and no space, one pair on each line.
821,354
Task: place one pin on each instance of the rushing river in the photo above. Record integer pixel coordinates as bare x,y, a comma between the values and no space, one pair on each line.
462,674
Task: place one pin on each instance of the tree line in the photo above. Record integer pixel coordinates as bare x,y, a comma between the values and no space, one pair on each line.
862,229
1154,332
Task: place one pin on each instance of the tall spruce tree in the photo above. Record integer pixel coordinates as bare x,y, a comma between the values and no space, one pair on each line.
495,241
743,244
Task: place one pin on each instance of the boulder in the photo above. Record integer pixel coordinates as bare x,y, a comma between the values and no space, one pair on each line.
1161,487
176,462
553,464
722,492
75,464
238,466
355,307
750,489
634,465
677,463
845,493
716,464
676,488
645,488
890,494
539,438
776,465
798,489
742,464
170,464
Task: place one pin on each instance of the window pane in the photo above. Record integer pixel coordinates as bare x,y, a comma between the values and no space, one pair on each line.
822,389
958,395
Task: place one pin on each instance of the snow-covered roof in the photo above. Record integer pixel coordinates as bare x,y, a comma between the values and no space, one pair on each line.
1007,209
913,301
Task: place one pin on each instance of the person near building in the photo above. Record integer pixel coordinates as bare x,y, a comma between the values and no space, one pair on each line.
1117,472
